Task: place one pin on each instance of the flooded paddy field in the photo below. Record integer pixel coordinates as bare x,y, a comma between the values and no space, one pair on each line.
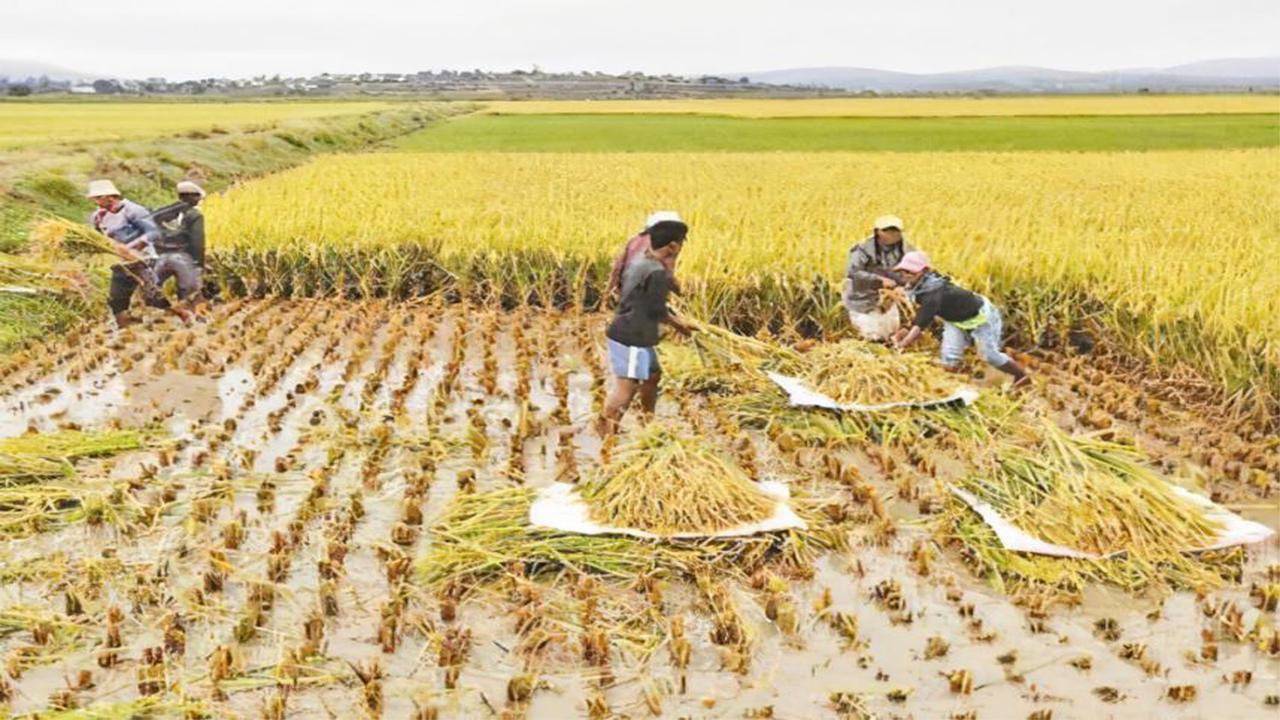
267,551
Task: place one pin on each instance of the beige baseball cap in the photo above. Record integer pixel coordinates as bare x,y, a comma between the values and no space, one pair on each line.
186,187
884,222
101,188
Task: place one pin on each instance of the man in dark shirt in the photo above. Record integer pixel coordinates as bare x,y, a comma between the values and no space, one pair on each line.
631,337
181,242
966,318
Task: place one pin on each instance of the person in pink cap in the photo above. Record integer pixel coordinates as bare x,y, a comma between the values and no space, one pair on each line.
967,318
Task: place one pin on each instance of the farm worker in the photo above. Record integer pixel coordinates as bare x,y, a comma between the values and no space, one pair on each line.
135,233
870,269
638,246
181,243
631,337
967,317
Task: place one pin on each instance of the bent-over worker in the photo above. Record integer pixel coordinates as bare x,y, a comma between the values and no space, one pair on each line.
967,318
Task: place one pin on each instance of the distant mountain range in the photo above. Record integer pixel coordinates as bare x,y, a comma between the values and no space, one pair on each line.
1223,74
24,69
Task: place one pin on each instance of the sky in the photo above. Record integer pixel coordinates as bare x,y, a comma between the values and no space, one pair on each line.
244,38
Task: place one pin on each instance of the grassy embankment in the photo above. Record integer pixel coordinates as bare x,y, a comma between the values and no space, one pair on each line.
49,178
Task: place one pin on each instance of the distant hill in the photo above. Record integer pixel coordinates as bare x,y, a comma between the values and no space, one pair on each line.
1224,74
24,69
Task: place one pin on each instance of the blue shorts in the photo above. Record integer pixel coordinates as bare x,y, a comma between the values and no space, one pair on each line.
635,363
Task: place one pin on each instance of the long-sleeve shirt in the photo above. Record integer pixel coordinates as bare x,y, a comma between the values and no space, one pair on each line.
635,248
869,263
182,230
646,285
944,299
129,224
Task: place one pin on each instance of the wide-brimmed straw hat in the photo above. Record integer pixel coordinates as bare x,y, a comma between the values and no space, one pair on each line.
101,188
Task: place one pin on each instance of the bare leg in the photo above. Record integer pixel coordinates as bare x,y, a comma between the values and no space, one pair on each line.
624,390
649,394
1020,375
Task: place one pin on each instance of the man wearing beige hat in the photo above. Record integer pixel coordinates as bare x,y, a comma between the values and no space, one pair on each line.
135,233
181,243
870,269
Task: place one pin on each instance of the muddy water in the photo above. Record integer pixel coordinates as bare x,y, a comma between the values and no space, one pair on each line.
266,393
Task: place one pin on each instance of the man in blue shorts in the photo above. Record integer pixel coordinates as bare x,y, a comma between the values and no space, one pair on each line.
646,284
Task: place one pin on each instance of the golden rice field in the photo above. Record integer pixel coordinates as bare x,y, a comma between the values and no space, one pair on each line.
1173,253
30,123
318,499
908,107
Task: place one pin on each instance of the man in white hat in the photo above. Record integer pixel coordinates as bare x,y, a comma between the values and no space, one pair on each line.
636,247
131,227
868,271
181,243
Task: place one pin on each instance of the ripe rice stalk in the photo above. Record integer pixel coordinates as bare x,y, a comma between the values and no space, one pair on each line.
26,275
667,483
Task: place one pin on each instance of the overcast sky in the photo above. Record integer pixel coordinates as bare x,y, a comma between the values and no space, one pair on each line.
242,38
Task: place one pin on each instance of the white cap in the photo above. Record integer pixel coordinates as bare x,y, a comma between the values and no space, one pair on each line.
662,216
101,188
888,221
186,187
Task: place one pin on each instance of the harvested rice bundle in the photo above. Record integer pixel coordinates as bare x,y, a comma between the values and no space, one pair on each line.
23,275
480,535
857,372
664,483
1094,496
43,456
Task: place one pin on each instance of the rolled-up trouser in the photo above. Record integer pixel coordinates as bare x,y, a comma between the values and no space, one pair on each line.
127,278
876,325
986,337
183,269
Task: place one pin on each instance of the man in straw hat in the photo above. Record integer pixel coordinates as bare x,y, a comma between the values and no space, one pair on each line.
868,271
633,334
135,234
181,243
637,247
967,318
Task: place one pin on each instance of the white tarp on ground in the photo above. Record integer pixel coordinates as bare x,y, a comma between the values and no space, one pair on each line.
1235,529
801,395
558,506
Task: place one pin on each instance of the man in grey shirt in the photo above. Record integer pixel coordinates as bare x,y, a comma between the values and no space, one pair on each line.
870,269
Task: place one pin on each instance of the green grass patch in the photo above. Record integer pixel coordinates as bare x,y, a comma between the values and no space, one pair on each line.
689,133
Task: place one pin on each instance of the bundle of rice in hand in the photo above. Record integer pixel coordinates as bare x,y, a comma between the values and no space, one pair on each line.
667,484
55,236
857,372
